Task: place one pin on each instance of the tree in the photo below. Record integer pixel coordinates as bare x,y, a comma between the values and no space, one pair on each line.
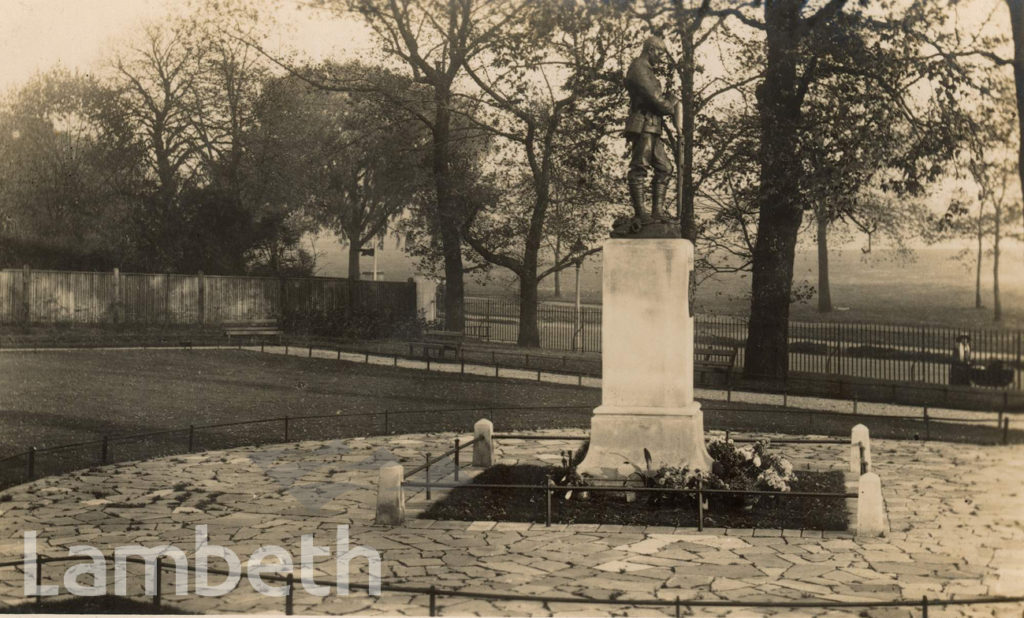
805,49
433,40
64,186
158,76
355,161
991,169
553,96
1016,8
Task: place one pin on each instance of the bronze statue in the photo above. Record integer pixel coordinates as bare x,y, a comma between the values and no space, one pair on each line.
647,107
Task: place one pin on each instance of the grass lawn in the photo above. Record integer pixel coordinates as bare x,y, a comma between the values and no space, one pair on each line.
52,398
64,397
648,510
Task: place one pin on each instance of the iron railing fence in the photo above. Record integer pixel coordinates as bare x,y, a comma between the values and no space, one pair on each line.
547,489
36,462
60,459
583,371
433,593
879,351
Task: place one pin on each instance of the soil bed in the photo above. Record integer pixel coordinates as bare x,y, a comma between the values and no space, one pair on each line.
649,509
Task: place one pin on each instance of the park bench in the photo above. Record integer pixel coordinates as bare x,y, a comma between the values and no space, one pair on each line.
434,343
252,329
717,359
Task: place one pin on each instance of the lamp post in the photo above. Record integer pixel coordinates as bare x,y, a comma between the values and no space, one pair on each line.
577,249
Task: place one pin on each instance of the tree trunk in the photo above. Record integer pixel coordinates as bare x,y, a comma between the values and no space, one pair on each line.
977,266
448,220
687,219
767,351
529,330
353,260
997,307
558,273
1017,26
824,291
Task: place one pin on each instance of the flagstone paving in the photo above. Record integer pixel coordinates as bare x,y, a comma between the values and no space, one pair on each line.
956,514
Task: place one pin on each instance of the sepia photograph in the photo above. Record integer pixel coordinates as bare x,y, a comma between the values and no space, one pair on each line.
512,307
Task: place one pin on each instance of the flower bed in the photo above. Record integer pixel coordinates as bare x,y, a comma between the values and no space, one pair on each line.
751,468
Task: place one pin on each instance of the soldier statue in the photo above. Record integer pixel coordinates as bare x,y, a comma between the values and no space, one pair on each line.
647,107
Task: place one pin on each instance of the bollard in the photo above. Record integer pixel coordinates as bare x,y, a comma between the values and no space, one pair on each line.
387,423
483,447
32,464
1006,430
678,607
860,449
870,507
390,495
924,606
310,352
433,600
927,427
339,354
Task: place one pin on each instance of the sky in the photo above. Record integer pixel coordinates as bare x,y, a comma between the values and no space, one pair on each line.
38,34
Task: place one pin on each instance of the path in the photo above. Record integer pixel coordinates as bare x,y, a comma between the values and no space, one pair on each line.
955,512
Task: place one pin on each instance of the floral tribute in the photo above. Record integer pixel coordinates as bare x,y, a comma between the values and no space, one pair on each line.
753,467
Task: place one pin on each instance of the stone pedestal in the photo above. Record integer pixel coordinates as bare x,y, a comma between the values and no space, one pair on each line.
647,362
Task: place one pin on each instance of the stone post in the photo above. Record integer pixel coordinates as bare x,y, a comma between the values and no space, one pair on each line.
870,506
647,361
426,298
859,435
483,448
390,496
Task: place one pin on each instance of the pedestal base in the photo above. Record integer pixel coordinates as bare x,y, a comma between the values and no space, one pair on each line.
673,436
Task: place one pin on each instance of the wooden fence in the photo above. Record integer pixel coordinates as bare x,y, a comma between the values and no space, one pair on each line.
47,296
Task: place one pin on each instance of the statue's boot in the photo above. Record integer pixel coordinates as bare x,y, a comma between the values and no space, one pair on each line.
636,197
658,190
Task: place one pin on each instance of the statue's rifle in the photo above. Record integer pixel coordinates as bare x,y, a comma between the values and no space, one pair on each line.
679,159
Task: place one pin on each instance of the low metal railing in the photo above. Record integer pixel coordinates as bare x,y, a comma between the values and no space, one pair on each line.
433,593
